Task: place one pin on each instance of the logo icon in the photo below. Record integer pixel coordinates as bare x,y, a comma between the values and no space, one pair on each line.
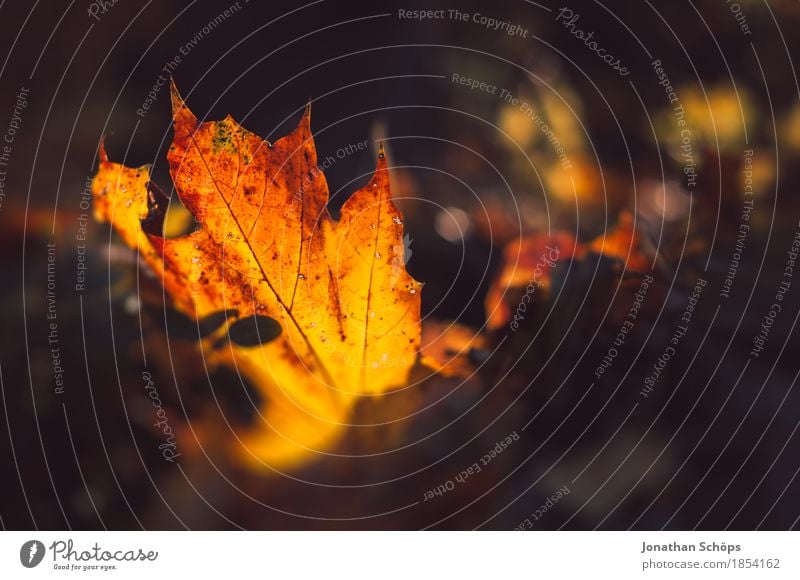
31,553
407,248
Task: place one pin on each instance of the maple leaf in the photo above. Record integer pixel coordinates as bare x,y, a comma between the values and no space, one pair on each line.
266,246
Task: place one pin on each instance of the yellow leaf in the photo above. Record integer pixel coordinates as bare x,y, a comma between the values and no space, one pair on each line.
267,246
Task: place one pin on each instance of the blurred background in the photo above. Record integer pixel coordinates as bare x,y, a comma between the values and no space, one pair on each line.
556,141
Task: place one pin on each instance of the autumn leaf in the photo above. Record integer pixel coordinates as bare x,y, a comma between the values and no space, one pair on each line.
447,347
266,246
622,244
528,263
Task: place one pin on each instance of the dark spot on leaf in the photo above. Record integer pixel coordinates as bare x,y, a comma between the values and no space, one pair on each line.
157,203
254,330
178,325
222,137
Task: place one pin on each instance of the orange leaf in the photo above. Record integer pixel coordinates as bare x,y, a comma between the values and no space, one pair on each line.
527,263
622,243
266,245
